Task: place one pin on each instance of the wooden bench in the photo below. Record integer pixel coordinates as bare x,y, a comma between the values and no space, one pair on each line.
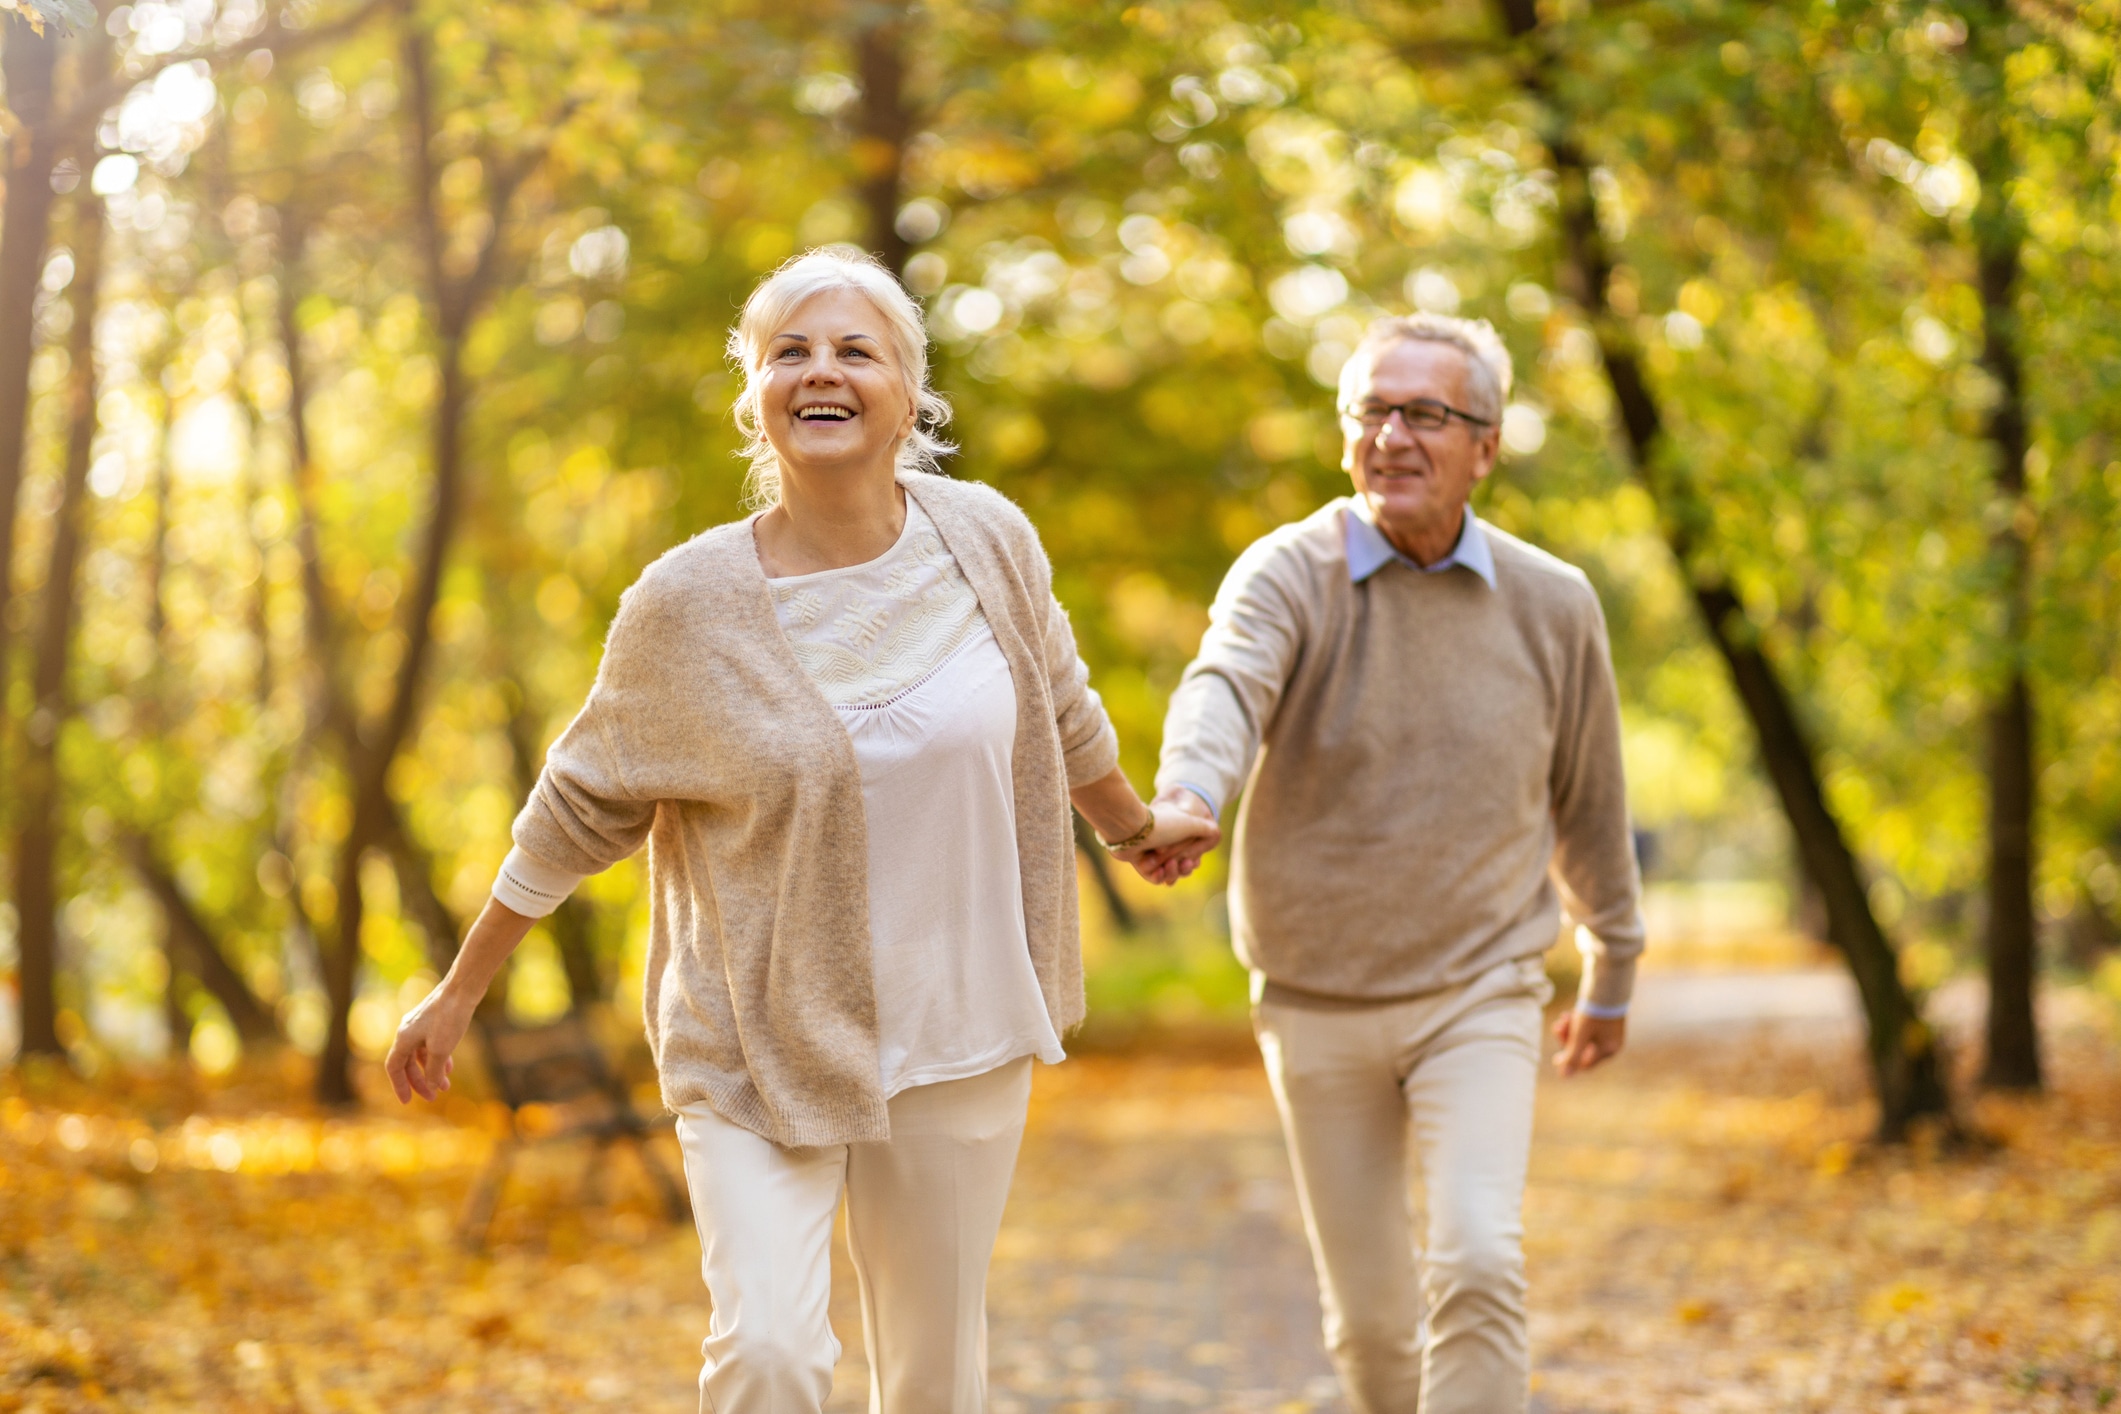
557,1084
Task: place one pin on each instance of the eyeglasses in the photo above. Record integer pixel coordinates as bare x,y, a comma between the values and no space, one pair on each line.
1426,414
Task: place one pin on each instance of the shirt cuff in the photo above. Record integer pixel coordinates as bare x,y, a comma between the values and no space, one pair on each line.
530,886
1205,798
1608,981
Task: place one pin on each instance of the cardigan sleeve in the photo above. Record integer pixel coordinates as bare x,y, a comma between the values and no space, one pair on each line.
1089,745
582,817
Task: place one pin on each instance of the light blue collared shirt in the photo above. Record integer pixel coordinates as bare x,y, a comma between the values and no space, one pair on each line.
1369,551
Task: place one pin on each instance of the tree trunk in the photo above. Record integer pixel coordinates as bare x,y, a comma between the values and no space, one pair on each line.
571,934
175,1017
369,760
2013,1052
37,825
260,606
332,704
25,228
885,124
154,714
342,971
338,950
1906,1069
2012,1060
454,298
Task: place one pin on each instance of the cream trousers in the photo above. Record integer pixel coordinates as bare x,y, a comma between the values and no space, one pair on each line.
1452,1072
923,1210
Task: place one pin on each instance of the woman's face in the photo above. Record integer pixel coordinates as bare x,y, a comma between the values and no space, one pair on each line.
834,396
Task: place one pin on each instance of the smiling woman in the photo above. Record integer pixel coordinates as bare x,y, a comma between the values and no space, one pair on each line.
892,324
852,724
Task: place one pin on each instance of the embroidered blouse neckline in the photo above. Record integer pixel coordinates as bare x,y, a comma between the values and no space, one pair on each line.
868,634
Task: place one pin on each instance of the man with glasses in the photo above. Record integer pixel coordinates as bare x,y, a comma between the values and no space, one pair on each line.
1420,711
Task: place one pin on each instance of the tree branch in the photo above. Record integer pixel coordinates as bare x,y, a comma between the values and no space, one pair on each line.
252,1019
90,105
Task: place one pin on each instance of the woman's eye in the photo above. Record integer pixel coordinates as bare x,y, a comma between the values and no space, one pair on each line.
855,353
792,351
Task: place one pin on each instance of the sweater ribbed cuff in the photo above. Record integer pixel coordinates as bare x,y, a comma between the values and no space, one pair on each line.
1608,982
1194,775
1205,798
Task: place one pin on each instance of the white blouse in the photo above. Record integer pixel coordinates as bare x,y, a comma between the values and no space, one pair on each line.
900,649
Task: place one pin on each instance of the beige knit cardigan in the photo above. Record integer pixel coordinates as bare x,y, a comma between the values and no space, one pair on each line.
704,736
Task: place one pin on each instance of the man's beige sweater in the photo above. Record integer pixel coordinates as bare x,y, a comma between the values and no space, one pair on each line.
1422,758
704,736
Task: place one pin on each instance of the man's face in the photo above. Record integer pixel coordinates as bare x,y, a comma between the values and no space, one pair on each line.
1416,480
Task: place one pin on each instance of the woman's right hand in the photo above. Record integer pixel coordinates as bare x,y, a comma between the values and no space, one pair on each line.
419,1060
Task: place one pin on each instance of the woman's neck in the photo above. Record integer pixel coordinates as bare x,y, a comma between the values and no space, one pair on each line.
829,522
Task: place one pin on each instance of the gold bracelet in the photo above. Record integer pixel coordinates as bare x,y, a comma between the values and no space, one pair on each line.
1148,828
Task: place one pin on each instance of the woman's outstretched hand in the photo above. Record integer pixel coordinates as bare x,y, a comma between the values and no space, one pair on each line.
419,1061
1184,832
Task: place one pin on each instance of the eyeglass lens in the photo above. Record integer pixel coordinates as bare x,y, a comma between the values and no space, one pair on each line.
1422,412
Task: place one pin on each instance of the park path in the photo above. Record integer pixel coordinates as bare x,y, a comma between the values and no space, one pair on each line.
1706,1232
1153,1257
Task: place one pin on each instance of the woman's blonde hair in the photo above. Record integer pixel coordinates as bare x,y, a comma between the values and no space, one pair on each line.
836,267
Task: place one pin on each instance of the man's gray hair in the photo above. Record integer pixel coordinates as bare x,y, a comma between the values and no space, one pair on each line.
1488,374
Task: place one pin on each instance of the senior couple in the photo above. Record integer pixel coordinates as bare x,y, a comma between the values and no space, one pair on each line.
849,729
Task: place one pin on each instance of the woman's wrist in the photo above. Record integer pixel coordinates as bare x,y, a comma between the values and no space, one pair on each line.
1112,807
1134,837
454,998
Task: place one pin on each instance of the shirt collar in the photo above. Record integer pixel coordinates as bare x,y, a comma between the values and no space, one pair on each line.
1369,551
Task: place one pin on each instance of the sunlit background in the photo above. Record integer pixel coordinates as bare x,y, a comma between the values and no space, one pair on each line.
485,259
355,355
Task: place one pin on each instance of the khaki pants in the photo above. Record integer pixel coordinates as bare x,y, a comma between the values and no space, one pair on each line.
923,1209
1453,1073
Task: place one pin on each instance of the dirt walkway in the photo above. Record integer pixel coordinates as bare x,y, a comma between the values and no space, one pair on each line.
1707,1232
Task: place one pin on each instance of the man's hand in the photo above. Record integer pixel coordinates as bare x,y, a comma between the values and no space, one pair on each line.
1185,831
1587,1041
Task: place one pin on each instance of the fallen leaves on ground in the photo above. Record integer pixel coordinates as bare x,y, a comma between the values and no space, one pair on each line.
1708,1230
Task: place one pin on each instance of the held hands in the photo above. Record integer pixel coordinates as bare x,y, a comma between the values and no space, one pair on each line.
1183,833
419,1060
1586,1041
